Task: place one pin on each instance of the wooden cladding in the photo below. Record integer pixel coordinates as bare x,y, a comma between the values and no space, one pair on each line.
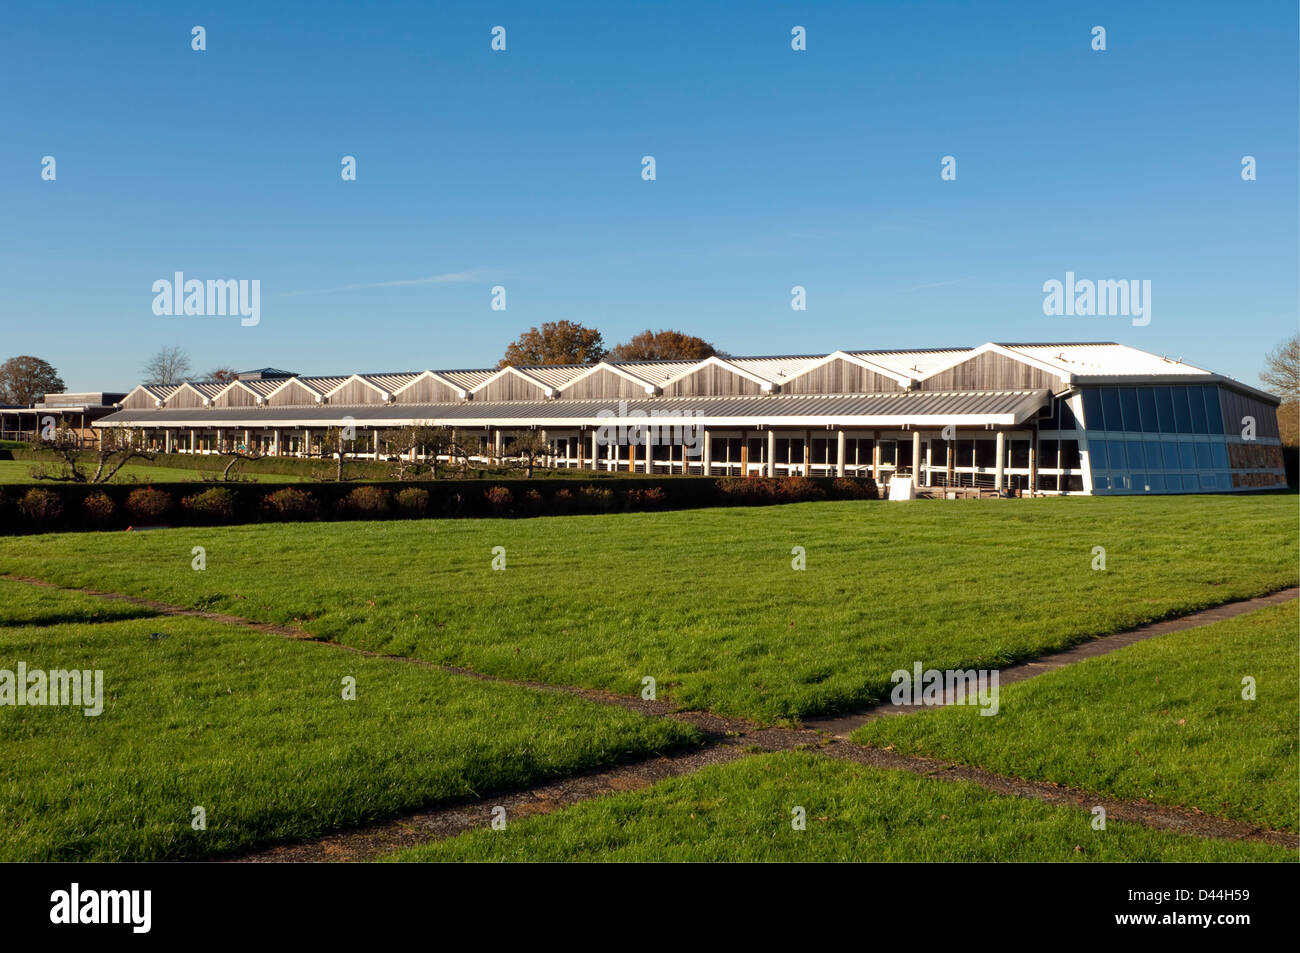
990,371
1237,407
712,380
292,394
427,390
511,387
840,377
603,383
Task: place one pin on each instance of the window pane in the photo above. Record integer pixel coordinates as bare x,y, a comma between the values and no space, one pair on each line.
1204,459
1128,402
1195,398
1067,416
1209,481
1182,416
1213,414
1147,404
1070,455
1098,483
1047,458
1165,410
1136,458
938,453
1219,452
1097,454
1170,451
1074,483
1118,459
1187,456
1155,460
887,448
1157,482
1092,409
1020,454
1110,409
986,453
1190,482
1140,483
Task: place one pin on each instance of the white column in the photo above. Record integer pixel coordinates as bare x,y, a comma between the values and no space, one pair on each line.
771,452
708,453
916,458
167,440
595,448
841,448
193,441
1002,448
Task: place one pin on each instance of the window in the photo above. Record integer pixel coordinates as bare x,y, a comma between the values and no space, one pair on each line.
1070,455
1110,409
1165,410
1140,483
1214,416
986,454
1074,483
888,449
1128,402
1118,458
1047,452
1092,416
1020,454
1047,481
1190,482
1219,452
796,451
1197,401
1097,454
938,453
1182,416
904,453
1155,460
1098,483
1170,452
1147,405
1136,458
965,452
1187,456
1157,482
1067,416
1204,459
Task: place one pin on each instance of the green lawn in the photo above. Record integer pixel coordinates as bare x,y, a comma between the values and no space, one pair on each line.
706,601
25,604
253,728
20,471
742,812
1162,720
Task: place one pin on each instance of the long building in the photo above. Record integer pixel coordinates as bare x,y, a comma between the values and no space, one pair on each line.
1091,418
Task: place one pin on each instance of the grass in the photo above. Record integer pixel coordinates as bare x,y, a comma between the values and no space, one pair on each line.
742,812
20,471
706,601
24,604
253,728
1162,720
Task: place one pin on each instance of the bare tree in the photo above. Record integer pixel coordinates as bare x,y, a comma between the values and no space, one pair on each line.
236,454
419,439
527,449
117,447
338,445
170,365
222,375
1281,372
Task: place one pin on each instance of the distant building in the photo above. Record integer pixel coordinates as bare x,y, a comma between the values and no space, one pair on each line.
75,412
1098,418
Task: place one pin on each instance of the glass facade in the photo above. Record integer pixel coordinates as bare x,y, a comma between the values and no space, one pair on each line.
1156,439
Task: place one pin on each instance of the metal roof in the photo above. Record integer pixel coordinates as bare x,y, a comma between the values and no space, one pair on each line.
920,407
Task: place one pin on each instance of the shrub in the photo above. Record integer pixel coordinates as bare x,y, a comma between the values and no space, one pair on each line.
599,498
41,506
533,501
498,497
412,501
453,504
367,501
649,498
290,504
216,504
798,488
99,508
147,503
849,488
562,501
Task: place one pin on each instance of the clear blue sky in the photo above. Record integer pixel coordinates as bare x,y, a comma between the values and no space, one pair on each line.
775,168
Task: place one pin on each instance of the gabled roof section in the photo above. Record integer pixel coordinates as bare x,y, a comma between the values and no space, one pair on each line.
461,391
241,385
902,379
623,371
359,379
545,388
1015,355
763,382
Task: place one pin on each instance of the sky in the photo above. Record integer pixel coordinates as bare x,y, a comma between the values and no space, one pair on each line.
522,168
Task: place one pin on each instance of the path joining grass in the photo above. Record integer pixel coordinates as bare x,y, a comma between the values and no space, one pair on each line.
254,729
743,812
1162,720
20,471
706,601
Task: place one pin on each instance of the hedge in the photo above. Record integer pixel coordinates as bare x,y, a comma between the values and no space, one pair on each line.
115,506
